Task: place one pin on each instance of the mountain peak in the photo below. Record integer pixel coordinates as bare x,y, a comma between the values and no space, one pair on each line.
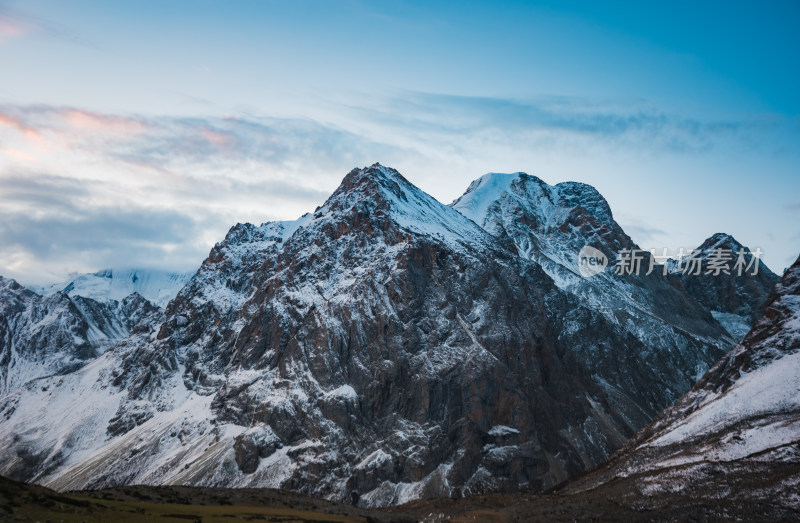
374,176
377,184
576,194
487,189
378,192
721,240
550,204
736,294
9,283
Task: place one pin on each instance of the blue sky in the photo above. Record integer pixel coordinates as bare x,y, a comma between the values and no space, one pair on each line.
137,133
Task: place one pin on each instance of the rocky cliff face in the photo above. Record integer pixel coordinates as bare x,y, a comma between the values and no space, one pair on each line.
385,344
736,433
41,336
736,295
670,339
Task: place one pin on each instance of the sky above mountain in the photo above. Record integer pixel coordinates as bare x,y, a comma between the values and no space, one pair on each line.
137,133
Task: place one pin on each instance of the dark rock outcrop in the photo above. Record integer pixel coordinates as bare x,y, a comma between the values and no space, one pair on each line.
737,291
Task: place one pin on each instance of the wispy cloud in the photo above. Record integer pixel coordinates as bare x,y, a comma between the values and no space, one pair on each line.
170,141
77,119
16,23
82,190
40,118
52,224
565,121
42,190
19,125
644,235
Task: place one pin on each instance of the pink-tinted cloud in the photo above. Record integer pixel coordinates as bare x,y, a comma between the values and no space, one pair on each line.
59,127
224,142
20,156
30,133
20,125
11,27
86,121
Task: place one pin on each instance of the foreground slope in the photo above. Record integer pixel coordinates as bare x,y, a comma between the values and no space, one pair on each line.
384,344
736,434
23,502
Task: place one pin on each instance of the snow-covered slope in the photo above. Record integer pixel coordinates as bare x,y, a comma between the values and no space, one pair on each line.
753,394
736,434
384,343
496,194
42,336
551,225
158,287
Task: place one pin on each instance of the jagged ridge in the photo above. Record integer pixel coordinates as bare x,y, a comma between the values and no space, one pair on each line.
385,343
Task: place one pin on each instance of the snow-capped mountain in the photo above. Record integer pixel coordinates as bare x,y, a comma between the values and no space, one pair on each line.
42,336
385,343
157,286
736,434
735,294
676,338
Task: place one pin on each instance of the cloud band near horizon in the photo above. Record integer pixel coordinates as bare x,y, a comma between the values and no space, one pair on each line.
82,190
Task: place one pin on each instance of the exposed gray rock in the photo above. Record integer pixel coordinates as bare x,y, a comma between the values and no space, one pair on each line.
736,296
